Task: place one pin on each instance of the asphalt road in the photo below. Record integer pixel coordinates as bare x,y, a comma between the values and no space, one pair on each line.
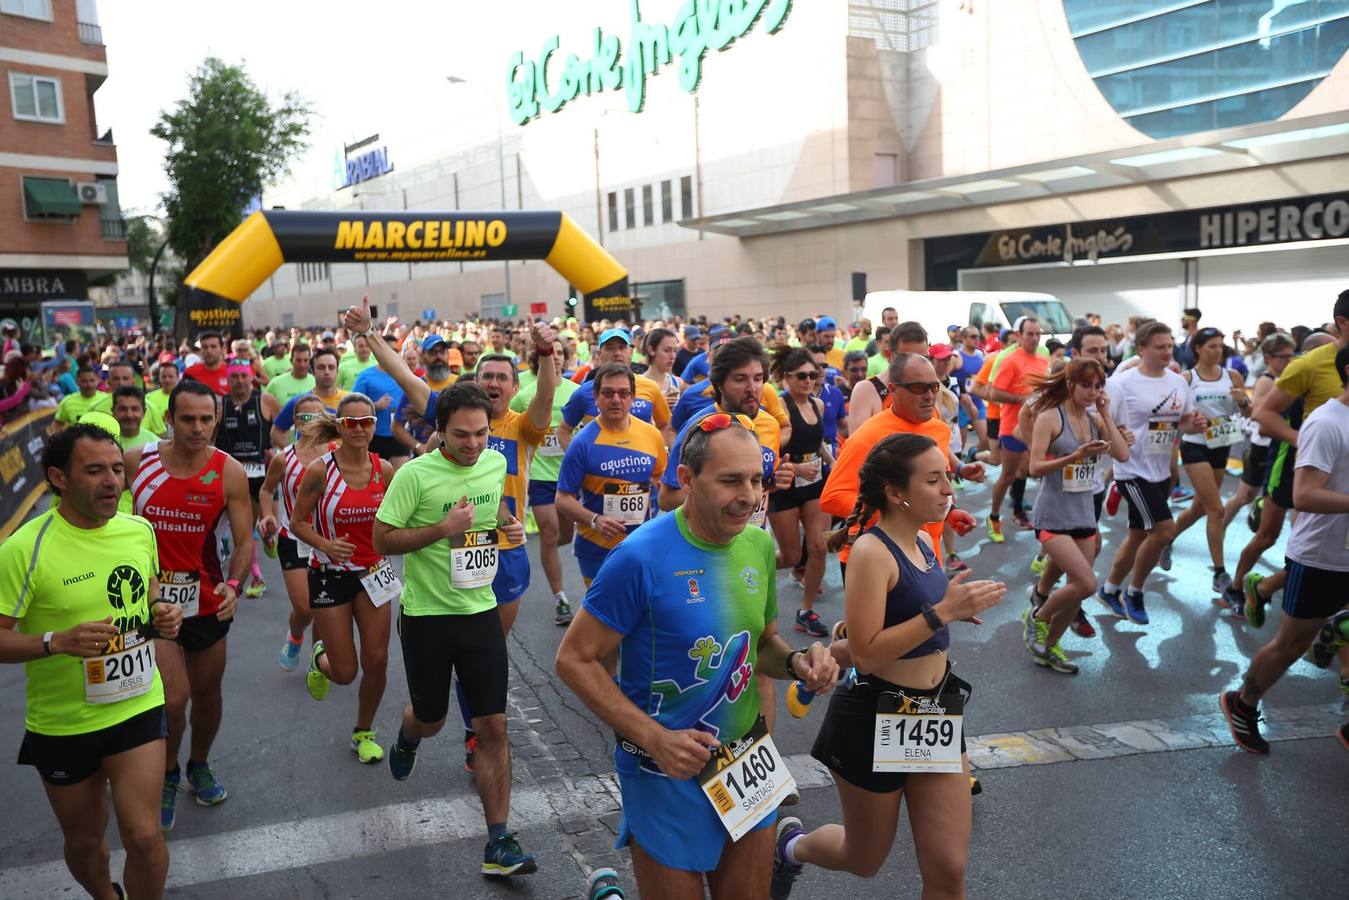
1118,782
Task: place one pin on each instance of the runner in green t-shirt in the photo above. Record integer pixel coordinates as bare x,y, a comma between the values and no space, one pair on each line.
354,363
442,513
277,362
95,702
157,401
72,406
299,380
543,472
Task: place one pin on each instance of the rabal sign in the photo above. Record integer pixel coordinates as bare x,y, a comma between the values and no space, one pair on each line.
533,86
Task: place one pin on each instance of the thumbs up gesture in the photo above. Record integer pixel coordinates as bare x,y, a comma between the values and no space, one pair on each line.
460,517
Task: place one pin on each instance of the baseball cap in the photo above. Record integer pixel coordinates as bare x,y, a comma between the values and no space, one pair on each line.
166,357
328,335
719,331
692,332
825,323
430,341
454,358
616,333
939,351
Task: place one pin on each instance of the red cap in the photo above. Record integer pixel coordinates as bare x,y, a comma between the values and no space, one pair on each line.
940,351
166,357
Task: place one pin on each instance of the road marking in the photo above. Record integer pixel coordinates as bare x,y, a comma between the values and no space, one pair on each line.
357,833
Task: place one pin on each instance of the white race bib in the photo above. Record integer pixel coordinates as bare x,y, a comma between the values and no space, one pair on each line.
381,583
1222,432
127,670
745,780
760,515
1080,476
551,446
183,589
917,734
627,502
473,559
1161,438
806,459
255,469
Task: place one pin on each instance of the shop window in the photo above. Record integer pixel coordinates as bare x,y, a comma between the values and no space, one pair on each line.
36,98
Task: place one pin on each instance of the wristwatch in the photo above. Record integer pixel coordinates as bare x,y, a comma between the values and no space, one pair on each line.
47,643
790,657
234,583
930,616
593,519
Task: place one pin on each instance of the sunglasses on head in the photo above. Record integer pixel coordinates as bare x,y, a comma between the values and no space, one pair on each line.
920,388
720,421
356,421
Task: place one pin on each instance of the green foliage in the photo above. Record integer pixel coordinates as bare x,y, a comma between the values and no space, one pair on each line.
227,141
141,243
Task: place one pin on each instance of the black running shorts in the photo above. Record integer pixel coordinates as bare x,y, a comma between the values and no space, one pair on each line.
1255,464
472,647
330,588
1149,502
288,552
202,632
63,760
1215,457
1312,593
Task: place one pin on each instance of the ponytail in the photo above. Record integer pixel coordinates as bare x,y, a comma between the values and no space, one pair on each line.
852,527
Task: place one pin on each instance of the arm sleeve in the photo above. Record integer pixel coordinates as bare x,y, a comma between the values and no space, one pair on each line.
574,410
1318,445
400,499
619,595
773,404
14,561
573,469
840,489
1118,402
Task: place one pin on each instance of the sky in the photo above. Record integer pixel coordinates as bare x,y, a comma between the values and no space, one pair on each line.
365,68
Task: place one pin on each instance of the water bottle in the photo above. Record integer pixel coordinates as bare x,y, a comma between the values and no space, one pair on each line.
799,699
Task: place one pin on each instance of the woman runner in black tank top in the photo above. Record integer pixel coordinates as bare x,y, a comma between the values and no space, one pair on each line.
799,506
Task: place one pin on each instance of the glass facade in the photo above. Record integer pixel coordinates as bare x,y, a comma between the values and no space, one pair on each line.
1173,67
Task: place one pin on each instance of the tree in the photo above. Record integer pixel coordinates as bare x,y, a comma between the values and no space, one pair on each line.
227,142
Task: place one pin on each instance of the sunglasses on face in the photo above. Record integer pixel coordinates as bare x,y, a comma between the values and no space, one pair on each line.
356,421
611,393
919,388
806,376
306,417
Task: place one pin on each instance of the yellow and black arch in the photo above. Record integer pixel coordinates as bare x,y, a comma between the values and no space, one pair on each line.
266,239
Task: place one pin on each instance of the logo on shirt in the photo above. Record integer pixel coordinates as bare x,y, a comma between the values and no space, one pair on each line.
695,592
210,477
750,576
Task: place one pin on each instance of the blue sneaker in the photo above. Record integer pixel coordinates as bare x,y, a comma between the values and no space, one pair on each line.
603,885
402,760
289,657
785,873
1112,600
503,857
168,800
202,782
1133,607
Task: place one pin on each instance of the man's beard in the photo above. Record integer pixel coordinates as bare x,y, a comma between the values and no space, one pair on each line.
438,373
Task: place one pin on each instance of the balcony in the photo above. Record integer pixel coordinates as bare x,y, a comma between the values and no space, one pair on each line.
91,33
113,229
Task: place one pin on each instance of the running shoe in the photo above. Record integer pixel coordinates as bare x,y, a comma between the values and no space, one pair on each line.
1037,565
256,589
1034,596
562,613
1081,625
1221,582
1253,605
1245,726
314,679
955,565
1112,600
975,787
808,620
1112,499
1180,493
1134,610
1253,512
168,800
1028,628
799,575
603,885
1057,660
289,657
995,531
1165,559
1235,601
402,760
785,873
470,752
1333,635
793,796
363,744
1039,643
503,857
1021,519
202,781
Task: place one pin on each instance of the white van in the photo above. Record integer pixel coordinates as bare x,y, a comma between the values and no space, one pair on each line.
935,310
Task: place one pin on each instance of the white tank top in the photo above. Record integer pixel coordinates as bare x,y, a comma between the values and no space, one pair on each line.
1213,399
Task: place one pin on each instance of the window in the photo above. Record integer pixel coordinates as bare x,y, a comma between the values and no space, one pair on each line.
36,98
666,201
613,211
686,196
311,272
629,209
110,218
648,212
30,9
50,200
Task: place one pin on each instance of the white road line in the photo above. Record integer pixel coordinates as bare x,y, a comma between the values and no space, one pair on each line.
357,833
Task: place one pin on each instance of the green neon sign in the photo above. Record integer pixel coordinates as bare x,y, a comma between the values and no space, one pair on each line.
699,26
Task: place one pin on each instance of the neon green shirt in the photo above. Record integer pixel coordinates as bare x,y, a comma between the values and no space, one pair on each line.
47,587
421,493
547,461
72,406
350,367
286,385
274,367
876,364
156,408
857,343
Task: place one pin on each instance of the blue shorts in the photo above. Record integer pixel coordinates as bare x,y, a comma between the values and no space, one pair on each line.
674,822
542,493
1011,444
964,420
512,575
589,557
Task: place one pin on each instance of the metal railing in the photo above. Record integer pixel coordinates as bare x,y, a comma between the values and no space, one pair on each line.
113,229
91,33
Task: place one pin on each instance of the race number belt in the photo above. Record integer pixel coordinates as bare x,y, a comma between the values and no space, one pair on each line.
745,780
473,559
917,734
254,469
1081,476
760,515
183,589
627,502
806,459
1161,438
1222,432
381,583
126,669
551,446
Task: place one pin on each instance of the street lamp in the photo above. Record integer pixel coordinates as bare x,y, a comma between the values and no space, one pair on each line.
501,168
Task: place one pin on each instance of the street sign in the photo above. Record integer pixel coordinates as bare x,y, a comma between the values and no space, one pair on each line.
509,309
538,308
429,314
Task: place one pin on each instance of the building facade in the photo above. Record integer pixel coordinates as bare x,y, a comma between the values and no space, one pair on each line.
1128,156
61,226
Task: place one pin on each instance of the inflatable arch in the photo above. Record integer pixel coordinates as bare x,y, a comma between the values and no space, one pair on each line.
265,240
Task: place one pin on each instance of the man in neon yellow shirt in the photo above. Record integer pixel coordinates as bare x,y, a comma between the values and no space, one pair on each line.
354,363
157,401
72,406
279,362
299,380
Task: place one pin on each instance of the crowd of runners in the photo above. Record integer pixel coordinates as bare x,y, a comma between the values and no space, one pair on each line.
395,472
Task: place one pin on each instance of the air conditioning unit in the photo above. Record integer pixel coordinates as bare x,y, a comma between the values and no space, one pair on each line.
92,192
